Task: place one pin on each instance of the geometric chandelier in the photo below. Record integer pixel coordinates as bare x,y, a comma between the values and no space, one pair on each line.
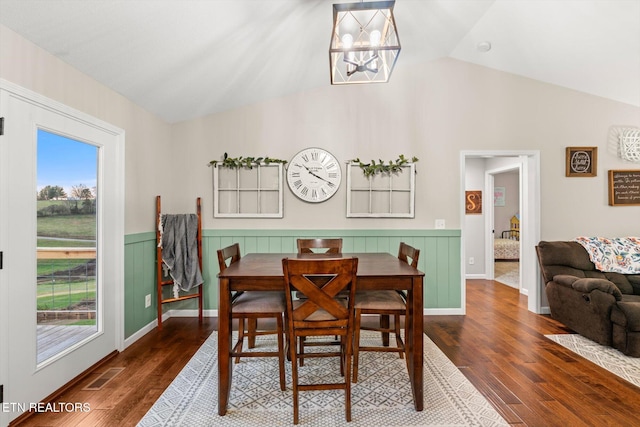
364,42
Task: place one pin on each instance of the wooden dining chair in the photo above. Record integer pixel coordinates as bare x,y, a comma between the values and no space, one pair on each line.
319,246
328,246
251,306
320,314
384,303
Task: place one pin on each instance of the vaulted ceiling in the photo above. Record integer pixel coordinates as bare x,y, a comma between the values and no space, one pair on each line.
183,59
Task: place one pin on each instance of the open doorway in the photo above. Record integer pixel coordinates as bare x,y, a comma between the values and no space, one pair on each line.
504,224
478,230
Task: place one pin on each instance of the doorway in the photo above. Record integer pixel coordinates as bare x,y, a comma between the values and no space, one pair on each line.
503,218
481,241
26,374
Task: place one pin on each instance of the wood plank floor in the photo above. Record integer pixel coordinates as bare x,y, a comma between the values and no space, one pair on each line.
498,345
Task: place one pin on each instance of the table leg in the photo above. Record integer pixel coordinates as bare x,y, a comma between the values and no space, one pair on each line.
415,343
225,367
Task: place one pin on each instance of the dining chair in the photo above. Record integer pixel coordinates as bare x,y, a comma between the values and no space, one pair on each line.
319,246
383,303
251,306
320,314
329,246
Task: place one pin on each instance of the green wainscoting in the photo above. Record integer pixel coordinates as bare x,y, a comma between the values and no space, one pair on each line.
439,260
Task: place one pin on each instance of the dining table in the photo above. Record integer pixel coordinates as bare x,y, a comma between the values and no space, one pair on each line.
376,271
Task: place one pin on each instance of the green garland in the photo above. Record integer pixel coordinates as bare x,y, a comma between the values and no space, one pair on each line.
373,168
243,162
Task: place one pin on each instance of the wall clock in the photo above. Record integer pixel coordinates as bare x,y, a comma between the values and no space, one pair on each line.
314,175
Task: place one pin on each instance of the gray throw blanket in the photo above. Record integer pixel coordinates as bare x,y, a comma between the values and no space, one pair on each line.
180,250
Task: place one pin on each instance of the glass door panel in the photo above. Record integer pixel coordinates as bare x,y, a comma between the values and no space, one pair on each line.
67,285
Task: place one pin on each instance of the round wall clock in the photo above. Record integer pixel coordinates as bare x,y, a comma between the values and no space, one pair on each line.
314,175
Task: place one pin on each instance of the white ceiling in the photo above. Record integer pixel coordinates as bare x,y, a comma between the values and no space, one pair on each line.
182,59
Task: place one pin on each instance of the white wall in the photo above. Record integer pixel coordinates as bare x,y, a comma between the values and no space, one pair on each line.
475,223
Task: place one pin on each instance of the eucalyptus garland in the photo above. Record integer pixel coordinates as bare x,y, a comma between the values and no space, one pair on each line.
373,168
243,162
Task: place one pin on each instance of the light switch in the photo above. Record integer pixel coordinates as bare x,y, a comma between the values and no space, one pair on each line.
439,223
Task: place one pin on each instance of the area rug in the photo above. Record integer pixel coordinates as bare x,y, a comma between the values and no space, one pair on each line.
382,396
606,357
507,272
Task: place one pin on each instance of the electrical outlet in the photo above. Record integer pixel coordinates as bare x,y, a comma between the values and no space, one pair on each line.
472,260
439,223
147,301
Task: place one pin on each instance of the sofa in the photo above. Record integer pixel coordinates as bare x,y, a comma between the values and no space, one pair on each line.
602,306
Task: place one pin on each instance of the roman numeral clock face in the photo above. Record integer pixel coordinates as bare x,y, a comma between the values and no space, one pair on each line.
314,175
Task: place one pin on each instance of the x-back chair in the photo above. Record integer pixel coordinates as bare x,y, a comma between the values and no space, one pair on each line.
320,314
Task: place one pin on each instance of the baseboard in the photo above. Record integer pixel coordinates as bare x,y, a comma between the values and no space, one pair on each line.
191,313
475,276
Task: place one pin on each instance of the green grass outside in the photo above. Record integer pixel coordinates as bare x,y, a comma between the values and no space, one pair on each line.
85,322
69,226
62,295
59,293
52,243
49,266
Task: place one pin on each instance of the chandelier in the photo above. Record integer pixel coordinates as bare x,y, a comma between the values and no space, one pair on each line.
364,42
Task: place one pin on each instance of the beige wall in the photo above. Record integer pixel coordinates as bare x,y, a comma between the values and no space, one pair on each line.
432,111
147,138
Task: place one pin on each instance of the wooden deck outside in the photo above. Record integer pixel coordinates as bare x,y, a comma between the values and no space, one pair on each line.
52,339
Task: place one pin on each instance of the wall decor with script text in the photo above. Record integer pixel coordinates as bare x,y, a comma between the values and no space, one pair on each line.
624,187
582,161
473,202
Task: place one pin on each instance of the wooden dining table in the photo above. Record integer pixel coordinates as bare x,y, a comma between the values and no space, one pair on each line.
376,271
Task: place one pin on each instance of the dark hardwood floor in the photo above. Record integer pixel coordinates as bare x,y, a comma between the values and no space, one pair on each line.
498,345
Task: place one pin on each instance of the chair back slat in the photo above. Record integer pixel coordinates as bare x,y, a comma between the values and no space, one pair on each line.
409,254
329,246
228,255
299,274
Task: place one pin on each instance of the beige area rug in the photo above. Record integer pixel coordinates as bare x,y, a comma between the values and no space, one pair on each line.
507,272
382,396
606,357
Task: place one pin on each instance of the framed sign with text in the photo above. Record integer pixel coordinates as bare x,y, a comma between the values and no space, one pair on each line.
624,187
581,161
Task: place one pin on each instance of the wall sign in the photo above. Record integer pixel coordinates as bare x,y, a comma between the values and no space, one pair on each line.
581,161
473,202
624,187
499,196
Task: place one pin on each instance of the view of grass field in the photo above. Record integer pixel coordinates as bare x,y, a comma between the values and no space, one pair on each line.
66,284
61,295
47,267
68,226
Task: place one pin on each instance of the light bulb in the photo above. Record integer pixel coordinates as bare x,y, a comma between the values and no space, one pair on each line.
347,41
374,38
